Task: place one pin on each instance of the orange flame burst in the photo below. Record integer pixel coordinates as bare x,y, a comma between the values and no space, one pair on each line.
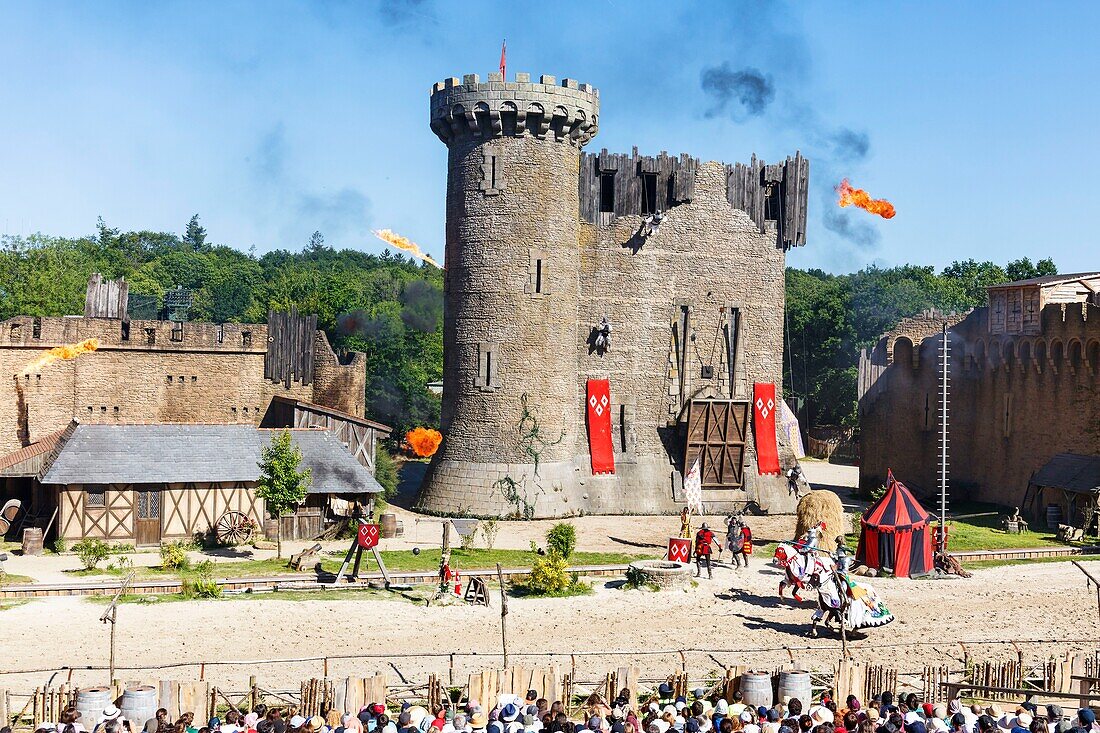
63,353
424,442
850,196
406,244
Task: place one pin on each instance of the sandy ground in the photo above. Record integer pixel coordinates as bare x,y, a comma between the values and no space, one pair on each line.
736,617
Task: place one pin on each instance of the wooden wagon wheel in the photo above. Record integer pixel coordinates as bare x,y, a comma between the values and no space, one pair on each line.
234,528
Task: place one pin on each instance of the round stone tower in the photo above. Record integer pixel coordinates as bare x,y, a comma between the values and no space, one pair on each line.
512,415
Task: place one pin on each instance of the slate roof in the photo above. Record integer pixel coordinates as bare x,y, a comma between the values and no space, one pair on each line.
176,453
1047,280
339,414
1071,472
37,448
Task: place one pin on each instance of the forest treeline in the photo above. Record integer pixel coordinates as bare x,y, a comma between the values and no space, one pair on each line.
391,307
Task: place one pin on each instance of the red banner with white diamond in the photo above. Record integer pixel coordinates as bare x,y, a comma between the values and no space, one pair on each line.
368,535
599,426
679,549
764,407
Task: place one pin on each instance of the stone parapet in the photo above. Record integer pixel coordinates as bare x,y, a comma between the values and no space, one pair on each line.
568,112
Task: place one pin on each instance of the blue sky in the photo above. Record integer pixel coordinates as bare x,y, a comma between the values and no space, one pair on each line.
273,119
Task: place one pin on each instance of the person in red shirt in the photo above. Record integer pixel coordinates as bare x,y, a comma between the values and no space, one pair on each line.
704,542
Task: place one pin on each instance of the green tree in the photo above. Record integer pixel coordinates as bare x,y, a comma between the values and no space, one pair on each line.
282,485
1022,269
385,471
195,236
316,243
974,277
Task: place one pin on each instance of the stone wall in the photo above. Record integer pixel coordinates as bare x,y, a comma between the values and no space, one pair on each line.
1015,402
707,256
152,372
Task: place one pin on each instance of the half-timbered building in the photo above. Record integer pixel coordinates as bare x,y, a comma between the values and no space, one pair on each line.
144,484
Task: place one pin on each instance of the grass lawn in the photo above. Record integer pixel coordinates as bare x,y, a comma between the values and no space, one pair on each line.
399,560
966,535
5,605
980,564
13,579
417,595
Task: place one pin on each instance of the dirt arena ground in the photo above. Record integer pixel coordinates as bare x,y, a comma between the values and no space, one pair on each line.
736,618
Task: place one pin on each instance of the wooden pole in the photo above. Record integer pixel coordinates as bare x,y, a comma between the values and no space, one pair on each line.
1094,580
114,613
503,607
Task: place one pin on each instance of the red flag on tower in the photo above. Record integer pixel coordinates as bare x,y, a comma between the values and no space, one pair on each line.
503,57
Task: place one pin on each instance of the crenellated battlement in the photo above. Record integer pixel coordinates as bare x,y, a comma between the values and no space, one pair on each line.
569,111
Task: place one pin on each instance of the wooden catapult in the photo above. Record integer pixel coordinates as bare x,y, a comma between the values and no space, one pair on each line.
366,538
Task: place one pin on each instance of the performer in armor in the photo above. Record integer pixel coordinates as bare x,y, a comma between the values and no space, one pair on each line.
739,540
809,542
704,541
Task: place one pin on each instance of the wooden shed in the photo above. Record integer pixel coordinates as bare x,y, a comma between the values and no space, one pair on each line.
144,484
358,434
1066,490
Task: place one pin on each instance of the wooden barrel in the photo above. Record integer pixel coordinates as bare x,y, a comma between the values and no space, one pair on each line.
139,704
1054,515
271,529
91,701
795,684
756,689
32,541
389,526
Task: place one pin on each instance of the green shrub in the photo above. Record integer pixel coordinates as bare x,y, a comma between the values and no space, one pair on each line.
385,472
173,556
466,542
121,564
636,579
548,575
201,583
873,494
489,528
59,545
562,540
91,552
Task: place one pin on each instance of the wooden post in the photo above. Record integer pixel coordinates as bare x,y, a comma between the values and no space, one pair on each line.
503,603
112,621
451,670
252,693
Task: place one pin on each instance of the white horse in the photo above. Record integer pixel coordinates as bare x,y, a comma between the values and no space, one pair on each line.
801,567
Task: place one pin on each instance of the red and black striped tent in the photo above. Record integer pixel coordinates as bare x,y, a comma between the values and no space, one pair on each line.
894,533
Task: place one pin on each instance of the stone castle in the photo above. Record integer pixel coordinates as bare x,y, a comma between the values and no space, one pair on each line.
548,250
160,371
1024,375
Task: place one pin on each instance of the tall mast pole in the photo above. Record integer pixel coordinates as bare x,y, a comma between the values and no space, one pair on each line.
944,377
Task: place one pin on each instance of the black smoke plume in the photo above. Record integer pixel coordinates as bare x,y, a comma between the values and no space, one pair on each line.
742,93
849,145
423,306
858,233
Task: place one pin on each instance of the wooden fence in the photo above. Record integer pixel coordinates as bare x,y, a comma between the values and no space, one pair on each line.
316,696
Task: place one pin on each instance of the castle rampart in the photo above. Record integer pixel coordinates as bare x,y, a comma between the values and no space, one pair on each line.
154,371
1015,401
